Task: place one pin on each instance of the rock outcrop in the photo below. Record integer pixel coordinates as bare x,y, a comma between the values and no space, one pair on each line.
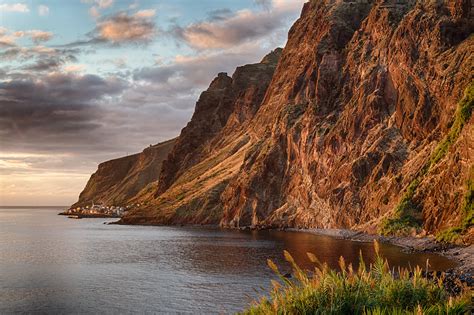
363,122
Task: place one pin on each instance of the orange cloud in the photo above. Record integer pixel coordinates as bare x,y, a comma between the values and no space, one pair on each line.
121,28
36,36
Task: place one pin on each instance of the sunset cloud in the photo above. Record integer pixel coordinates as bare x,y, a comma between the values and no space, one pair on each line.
94,12
36,36
7,41
44,64
103,4
123,28
14,7
145,13
68,105
242,26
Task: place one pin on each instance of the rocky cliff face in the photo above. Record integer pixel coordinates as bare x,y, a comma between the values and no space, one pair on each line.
116,182
363,124
210,150
222,110
361,97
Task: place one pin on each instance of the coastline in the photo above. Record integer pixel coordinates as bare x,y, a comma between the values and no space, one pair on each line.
89,216
462,255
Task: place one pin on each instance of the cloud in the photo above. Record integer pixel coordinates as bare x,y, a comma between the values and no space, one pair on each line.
196,72
39,58
55,111
103,4
219,14
49,64
8,38
14,7
124,28
145,13
36,36
43,10
264,3
121,28
76,68
98,5
59,88
229,30
94,12
7,41
117,62
70,120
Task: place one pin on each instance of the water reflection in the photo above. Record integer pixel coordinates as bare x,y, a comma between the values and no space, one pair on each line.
49,264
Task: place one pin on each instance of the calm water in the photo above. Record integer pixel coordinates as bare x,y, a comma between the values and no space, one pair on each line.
52,264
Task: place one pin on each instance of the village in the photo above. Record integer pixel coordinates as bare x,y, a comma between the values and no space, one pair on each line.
97,211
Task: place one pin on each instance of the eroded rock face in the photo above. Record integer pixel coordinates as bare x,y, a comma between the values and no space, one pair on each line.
362,94
118,181
221,110
210,150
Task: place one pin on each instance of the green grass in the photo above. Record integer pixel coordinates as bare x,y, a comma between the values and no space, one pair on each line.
462,116
400,226
372,290
453,235
406,215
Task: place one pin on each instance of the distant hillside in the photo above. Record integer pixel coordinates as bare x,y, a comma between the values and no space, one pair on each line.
117,181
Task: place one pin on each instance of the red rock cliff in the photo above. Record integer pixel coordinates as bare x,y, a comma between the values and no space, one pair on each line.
364,124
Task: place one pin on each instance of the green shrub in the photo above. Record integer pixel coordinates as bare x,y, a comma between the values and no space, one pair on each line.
404,219
462,116
453,235
400,226
372,290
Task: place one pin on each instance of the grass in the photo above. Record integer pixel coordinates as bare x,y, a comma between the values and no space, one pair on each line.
406,214
453,235
405,218
462,116
372,290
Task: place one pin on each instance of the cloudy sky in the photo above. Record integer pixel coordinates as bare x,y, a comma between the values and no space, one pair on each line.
84,81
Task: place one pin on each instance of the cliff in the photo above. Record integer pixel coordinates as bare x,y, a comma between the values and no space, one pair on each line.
116,182
363,122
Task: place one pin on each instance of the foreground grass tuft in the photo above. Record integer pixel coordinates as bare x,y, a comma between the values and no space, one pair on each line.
372,290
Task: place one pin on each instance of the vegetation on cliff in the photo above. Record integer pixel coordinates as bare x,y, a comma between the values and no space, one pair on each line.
453,235
373,290
407,213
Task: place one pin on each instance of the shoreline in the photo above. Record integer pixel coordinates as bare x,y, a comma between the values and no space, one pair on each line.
88,216
463,256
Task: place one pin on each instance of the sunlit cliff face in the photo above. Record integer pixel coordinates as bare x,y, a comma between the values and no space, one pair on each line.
85,81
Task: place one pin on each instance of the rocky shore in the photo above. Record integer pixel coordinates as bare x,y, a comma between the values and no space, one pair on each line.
91,216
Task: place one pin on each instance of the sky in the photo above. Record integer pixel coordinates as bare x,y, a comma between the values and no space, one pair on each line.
85,81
